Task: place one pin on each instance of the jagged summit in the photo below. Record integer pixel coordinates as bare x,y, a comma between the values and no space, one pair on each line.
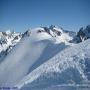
56,33
84,33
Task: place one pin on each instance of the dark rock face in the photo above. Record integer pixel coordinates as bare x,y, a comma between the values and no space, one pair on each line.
27,33
81,34
47,29
57,32
88,28
84,33
52,28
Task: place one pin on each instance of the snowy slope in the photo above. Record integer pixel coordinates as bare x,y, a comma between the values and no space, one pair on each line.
43,56
36,47
71,66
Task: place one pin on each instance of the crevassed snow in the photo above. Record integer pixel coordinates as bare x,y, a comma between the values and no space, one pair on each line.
71,66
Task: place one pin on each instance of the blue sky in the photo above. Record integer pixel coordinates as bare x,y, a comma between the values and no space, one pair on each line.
23,14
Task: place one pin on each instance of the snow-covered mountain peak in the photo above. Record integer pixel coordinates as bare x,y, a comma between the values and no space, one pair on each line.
54,33
43,56
8,39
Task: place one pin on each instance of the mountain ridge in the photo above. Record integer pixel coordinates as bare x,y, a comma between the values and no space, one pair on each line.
43,47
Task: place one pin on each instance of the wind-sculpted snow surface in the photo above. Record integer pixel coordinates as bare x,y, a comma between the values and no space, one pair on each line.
71,66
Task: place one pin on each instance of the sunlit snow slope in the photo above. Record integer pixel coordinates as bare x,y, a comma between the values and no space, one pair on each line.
45,57
71,66
36,47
